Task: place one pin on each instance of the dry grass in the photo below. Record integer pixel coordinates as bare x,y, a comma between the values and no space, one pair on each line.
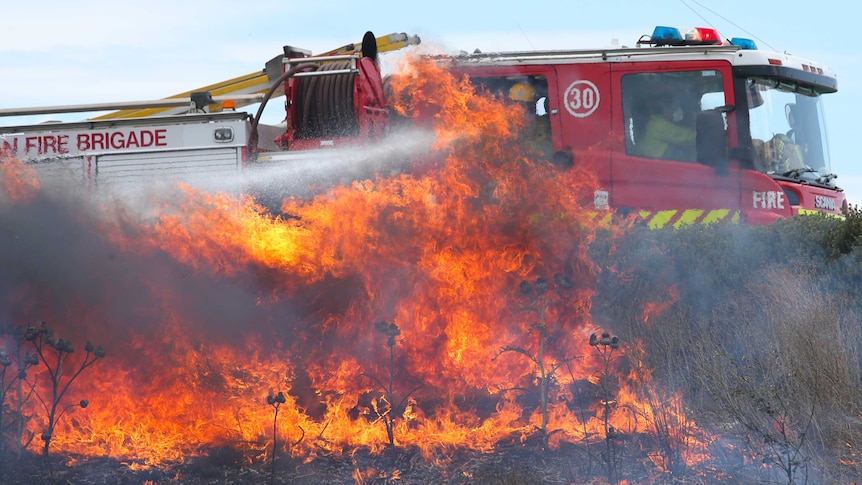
766,353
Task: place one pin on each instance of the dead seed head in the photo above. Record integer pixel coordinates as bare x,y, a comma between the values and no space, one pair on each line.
30,333
562,280
606,339
391,330
63,345
541,284
278,398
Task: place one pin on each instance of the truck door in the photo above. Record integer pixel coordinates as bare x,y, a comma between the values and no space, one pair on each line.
584,113
655,170
533,88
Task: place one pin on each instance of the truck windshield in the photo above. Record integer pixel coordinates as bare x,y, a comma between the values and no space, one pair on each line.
788,131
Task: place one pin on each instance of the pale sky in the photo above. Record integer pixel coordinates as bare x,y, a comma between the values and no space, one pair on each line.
96,51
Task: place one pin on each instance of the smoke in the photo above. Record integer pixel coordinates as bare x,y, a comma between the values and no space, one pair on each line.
62,263
67,259
55,244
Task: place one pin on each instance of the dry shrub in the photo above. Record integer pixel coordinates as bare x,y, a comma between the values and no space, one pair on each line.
782,368
817,340
758,328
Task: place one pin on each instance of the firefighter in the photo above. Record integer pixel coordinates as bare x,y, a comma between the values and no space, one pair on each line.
536,135
665,136
777,155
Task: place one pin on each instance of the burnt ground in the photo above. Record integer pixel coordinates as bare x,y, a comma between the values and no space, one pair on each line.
513,464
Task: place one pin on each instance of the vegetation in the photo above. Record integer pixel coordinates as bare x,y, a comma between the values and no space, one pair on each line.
542,296
386,407
755,329
54,353
758,329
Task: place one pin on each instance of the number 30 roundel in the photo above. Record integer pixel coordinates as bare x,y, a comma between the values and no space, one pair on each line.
582,98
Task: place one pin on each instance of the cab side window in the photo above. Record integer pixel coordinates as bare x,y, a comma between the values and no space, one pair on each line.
660,111
530,92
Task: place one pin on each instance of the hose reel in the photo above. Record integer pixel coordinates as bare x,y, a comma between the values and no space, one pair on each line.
325,104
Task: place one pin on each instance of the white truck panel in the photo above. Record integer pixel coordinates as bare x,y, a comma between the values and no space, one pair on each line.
168,164
132,150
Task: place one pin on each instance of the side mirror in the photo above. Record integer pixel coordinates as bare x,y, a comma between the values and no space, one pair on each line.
712,140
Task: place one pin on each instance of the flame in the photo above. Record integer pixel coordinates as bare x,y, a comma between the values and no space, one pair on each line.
296,302
18,182
656,308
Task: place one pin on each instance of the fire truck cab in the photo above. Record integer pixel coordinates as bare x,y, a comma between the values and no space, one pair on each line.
684,128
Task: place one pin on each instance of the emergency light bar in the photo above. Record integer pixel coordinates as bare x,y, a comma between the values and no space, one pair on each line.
682,36
674,36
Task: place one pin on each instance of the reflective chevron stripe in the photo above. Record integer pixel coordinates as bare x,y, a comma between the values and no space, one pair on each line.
812,212
687,217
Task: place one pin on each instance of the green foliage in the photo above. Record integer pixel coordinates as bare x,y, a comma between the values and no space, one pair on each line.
846,235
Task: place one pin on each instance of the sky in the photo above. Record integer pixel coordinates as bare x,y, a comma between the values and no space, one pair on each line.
98,51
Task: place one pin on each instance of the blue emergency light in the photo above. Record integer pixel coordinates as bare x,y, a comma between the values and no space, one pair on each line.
744,44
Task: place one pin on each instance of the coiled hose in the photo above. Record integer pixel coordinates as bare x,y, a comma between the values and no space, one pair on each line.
325,104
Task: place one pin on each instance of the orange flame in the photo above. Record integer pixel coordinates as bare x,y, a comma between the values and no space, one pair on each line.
18,181
656,308
440,254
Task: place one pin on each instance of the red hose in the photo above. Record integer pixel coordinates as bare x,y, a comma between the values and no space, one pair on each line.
253,135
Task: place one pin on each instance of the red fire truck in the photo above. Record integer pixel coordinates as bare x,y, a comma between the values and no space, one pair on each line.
685,127
760,146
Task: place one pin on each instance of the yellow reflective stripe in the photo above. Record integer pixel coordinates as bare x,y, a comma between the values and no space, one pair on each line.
661,218
688,218
715,216
808,212
657,220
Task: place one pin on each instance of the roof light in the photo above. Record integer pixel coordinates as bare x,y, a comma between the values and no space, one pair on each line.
704,35
669,35
744,44
676,36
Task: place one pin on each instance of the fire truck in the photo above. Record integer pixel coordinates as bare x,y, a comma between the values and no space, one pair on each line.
684,127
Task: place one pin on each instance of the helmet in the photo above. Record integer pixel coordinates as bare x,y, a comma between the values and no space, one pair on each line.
522,92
